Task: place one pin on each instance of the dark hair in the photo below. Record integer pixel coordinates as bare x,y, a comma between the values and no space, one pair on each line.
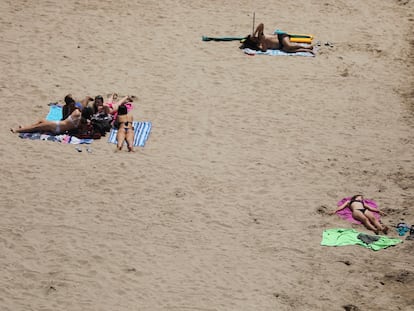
95,106
99,97
249,42
122,110
87,113
353,198
69,100
69,107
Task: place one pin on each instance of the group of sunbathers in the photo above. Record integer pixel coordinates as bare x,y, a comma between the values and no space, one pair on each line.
79,117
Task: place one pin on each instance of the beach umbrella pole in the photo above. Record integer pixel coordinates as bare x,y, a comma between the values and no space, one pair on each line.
254,16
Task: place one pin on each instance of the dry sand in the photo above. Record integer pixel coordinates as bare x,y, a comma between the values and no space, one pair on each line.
223,209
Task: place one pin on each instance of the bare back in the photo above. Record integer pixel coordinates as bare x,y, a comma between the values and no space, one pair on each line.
71,122
270,42
125,121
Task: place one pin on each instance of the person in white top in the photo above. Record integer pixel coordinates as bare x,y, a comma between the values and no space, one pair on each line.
55,127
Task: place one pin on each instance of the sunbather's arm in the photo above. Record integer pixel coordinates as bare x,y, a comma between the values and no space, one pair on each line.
85,101
340,207
261,37
262,46
259,31
376,210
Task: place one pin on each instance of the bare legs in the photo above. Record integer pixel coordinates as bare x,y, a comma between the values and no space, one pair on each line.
39,126
120,137
86,100
125,135
291,47
130,139
369,221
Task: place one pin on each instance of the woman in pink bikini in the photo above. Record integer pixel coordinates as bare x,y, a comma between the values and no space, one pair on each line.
111,105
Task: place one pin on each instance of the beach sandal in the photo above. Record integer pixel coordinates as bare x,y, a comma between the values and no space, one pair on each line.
402,228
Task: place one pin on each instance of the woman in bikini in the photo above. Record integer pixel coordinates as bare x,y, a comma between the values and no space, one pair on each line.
262,42
363,213
55,127
111,106
125,129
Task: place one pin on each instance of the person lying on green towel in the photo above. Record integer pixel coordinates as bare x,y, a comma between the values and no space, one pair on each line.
280,41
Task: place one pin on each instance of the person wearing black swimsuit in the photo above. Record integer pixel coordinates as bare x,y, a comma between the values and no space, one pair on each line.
125,133
363,213
263,42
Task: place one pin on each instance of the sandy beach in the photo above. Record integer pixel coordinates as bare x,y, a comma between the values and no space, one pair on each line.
224,207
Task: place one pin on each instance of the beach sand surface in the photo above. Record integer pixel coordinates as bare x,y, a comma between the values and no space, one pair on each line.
224,207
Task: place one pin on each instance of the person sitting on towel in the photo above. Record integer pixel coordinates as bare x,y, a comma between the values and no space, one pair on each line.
261,42
101,118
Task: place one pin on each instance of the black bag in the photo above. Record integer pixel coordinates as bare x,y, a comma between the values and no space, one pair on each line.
102,123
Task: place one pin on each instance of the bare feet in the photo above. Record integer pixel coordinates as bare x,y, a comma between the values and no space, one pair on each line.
112,97
385,229
131,98
15,130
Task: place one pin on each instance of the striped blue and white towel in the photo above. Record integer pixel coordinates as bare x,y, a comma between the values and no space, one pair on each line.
141,133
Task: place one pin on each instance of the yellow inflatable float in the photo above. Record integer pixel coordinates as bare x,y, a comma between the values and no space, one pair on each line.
300,38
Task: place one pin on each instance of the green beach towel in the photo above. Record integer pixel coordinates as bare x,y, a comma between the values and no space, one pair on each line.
341,237
205,38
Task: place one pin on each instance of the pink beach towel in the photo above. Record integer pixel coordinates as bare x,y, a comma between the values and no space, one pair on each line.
347,214
129,106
